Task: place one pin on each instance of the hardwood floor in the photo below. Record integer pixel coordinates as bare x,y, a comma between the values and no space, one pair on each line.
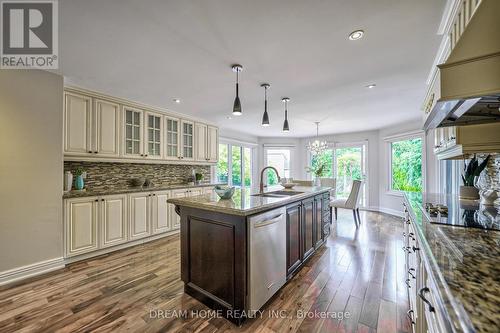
358,271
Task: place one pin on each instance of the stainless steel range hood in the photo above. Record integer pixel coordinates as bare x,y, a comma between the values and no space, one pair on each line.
470,78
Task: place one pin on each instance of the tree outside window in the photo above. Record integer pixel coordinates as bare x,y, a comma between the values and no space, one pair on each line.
406,165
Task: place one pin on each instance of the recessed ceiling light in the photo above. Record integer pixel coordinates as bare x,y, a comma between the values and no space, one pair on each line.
371,86
176,100
357,34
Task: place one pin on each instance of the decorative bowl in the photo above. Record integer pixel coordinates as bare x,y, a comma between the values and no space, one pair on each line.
288,185
137,181
224,192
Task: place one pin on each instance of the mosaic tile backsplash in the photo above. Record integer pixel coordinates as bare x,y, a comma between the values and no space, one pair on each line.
104,175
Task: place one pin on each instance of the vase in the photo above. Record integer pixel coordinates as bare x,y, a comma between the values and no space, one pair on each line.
469,193
79,182
317,181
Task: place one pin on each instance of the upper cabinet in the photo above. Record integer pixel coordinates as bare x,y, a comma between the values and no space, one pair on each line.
207,143
134,143
187,142
77,124
172,149
109,129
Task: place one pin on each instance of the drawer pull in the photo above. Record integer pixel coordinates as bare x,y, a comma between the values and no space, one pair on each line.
411,274
421,295
415,249
406,248
409,314
407,281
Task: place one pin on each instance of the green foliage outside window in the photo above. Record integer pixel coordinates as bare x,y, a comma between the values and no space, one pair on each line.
222,168
406,165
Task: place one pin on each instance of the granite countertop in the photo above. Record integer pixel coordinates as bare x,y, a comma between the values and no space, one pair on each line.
464,262
244,203
131,189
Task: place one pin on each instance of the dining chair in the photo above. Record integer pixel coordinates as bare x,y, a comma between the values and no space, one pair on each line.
352,202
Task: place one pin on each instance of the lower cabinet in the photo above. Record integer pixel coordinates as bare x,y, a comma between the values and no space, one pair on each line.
293,236
113,220
307,226
95,223
140,215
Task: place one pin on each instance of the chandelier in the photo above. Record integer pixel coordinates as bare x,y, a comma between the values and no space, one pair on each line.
317,147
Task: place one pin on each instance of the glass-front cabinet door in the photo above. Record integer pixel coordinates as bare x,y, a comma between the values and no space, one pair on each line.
133,132
172,150
154,135
187,140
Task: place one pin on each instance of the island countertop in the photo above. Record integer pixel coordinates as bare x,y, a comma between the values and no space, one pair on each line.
465,262
244,201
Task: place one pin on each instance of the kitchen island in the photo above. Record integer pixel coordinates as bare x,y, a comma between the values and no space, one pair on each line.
237,253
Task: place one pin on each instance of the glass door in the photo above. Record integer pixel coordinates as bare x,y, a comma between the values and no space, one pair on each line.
154,134
234,165
349,165
187,140
133,132
280,159
172,151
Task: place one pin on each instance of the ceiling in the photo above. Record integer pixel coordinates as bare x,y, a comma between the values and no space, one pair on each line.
155,51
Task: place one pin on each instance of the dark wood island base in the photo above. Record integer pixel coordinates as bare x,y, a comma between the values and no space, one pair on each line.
215,246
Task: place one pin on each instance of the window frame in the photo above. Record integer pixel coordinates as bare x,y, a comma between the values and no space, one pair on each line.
402,137
230,143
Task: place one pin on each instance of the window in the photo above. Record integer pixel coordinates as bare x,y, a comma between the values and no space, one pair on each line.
406,165
222,164
326,158
234,166
280,159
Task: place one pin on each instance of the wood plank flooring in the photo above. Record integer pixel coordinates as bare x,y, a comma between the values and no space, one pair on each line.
358,272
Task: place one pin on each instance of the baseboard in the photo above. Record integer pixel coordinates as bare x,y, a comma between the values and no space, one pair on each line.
384,210
31,270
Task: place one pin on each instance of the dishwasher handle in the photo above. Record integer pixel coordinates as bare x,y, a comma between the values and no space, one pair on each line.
268,222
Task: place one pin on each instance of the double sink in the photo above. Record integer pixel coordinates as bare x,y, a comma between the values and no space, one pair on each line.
277,194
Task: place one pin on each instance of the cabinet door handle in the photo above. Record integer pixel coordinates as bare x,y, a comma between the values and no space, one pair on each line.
90,151
410,273
96,200
102,199
96,152
415,249
421,295
268,222
409,314
407,281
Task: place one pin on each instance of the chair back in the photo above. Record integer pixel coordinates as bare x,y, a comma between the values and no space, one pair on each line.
353,199
329,182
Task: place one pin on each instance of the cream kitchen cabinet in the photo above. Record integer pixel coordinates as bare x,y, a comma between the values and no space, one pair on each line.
113,220
105,128
173,138
207,143
160,212
92,223
456,142
187,140
91,126
77,124
181,193
133,129
201,131
154,135
208,190
81,224
139,215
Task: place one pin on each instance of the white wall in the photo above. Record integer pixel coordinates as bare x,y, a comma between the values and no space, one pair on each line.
31,169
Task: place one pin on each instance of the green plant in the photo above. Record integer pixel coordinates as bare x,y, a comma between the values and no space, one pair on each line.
199,176
79,171
316,169
473,170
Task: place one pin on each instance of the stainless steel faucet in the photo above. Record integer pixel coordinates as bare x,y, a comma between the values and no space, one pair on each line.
261,187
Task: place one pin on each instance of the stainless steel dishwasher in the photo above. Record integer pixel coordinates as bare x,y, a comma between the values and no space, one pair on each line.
267,251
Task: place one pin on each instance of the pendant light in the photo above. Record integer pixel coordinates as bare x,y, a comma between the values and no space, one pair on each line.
237,103
317,147
286,127
265,116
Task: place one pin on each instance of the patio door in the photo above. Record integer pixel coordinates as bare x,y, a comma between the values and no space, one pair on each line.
349,163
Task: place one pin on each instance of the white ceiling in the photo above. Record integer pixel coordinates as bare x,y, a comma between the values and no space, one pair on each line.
154,51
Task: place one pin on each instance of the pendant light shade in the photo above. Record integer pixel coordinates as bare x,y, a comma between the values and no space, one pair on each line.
265,116
237,103
286,127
